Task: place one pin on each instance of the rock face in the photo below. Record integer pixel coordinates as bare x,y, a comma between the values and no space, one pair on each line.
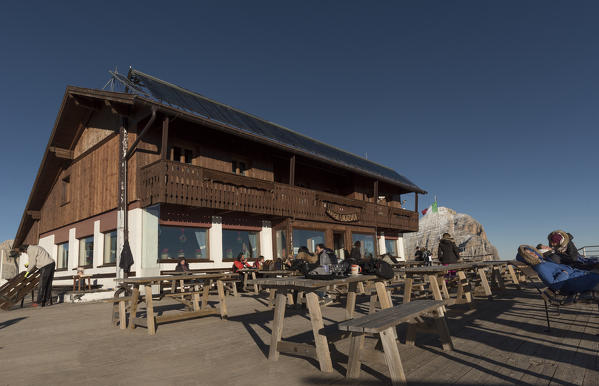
10,266
468,234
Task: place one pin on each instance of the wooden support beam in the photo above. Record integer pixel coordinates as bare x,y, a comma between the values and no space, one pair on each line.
34,214
79,102
164,146
292,171
115,108
376,191
62,153
415,202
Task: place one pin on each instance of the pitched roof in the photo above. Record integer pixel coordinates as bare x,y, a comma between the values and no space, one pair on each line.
163,92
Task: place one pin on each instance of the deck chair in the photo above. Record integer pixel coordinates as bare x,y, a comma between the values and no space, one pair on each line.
549,296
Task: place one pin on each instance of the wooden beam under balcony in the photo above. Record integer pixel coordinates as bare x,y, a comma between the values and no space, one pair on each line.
292,171
61,153
164,145
34,214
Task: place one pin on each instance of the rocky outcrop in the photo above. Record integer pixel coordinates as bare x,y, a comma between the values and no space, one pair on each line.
10,265
468,233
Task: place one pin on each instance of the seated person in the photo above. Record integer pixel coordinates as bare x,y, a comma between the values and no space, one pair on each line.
259,263
240,262
559,277
304,254
182,266
566,252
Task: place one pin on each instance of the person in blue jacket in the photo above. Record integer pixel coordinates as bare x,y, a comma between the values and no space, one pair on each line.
559,277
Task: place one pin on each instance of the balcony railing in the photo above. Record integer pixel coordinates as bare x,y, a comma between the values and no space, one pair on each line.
183,184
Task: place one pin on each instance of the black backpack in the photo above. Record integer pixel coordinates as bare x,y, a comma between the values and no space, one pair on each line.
383,269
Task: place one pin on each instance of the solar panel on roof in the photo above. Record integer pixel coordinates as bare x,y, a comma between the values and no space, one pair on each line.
189,101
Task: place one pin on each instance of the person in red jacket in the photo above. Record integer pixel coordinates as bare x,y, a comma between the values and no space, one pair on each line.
240,263
259,262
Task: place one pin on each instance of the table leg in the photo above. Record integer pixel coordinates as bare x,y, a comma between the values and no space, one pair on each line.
196,297
271,297
361,288
74,282
434,287
133,307
256,291
442,329
444,288
122,315
221,299
407,292
150,311
398,377
484,282
353,364
351,300
513,276
463,289
277,327
322,345
498,278
384,298
206,293
245,281
173,286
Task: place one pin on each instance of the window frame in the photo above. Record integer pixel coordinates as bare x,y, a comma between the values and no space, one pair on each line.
188,260
259,246
80,248
58,257
104,263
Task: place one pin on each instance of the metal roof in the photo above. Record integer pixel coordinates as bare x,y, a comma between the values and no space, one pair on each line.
166,93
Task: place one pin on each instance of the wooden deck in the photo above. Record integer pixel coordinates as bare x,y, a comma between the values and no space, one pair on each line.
499,342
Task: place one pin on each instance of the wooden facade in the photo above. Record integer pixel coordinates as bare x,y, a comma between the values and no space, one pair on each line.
185,161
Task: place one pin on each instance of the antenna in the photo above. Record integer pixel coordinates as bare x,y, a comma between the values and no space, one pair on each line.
110,82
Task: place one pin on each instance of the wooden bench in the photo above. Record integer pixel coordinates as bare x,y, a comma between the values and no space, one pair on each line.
384,323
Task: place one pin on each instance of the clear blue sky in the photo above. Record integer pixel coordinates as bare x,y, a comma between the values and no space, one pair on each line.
491,106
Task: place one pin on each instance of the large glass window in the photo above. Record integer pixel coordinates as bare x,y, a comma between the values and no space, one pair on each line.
391,247
235,241
367,244
86,252
110,247
178,242
307,238
281,240
63,256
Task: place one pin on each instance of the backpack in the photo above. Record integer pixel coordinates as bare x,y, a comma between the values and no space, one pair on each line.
383,270
328,258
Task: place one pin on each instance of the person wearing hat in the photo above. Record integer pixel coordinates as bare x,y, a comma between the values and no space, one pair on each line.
40,258
448,252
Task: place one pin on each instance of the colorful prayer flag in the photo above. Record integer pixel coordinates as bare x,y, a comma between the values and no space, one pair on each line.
434,206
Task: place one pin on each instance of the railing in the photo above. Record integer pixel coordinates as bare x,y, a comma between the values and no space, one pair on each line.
183,184
589,250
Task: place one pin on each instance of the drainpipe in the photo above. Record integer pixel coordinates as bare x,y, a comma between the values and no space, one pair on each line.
124,156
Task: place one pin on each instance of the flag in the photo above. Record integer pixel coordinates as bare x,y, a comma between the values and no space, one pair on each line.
434,207
424,211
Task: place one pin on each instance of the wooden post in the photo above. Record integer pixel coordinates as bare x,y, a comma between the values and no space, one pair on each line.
407,291
292,171
485,283
513,275
376,191
164,146
122,315
415,202
206,293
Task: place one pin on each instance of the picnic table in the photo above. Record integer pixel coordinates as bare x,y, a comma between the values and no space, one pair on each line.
309,286
497,268
196,306
434,274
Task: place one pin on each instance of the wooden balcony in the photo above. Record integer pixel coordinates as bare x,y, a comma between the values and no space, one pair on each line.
171,182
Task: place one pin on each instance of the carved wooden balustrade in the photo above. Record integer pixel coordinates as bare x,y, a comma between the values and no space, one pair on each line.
183,184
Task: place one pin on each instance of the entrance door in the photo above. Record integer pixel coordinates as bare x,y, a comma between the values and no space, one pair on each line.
339,245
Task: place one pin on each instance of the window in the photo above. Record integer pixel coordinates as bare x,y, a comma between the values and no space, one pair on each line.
178,242
62,260
239,167
182,155
307,238
235,241
110,247
391,247
367,244
281,240
86,252
66,191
